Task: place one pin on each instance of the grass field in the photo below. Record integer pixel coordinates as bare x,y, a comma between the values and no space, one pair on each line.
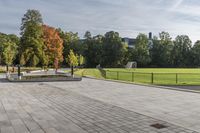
162,76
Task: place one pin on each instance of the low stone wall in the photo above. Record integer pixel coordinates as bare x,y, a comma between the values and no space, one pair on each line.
46,79
43,78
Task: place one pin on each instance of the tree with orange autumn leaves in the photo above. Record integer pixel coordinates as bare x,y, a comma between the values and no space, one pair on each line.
53,47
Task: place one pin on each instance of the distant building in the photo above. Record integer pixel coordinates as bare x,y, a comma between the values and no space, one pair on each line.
132,41
129,41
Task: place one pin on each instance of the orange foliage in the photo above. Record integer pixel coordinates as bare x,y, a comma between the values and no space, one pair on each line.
53,45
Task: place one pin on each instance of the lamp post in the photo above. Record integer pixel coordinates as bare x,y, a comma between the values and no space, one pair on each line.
7,68
72,71
1,54
43,57
19,71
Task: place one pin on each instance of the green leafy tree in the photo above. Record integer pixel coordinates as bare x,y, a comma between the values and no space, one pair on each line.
8,49
81,60
195,54
71,41
3,39
31,42
162,50
88,35
9,52
141,52
93,52
112,50
15,39
181,51
72,59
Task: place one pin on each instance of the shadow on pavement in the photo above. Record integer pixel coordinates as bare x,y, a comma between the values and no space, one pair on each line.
3,80
195,88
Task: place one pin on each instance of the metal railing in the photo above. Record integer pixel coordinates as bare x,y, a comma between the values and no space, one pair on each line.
154,78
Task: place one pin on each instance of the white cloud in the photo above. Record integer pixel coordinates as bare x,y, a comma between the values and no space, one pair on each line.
176,4
129,17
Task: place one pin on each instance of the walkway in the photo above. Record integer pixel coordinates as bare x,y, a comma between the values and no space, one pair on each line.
95,106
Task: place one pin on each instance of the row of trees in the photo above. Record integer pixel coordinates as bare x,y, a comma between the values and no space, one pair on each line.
110,51
42,45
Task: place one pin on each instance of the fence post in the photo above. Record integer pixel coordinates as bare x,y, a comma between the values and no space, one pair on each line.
133,76
152,78
117,75
176,78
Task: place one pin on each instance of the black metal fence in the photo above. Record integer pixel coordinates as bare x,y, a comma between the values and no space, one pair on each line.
154,78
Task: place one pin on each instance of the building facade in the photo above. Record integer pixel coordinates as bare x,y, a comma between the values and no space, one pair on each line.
132,41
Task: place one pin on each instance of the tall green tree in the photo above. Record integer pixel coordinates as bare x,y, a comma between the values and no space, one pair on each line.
113,50
71,41
162,50
3,39
9,53
93,50
15,39
8,49
31,42
181,51
195,54
141,52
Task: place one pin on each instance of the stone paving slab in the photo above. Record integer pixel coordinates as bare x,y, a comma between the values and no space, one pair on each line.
20,112
44,108
177,107
95,116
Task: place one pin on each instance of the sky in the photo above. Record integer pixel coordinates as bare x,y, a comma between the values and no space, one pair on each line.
128,17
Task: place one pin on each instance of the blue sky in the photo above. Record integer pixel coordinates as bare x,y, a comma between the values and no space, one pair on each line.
128,17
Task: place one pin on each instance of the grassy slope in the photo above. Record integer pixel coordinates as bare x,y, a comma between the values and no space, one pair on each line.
89,72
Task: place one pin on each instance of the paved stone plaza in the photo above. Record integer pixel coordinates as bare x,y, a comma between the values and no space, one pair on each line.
95,106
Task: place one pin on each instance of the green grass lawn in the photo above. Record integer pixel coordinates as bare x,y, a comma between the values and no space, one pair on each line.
162,76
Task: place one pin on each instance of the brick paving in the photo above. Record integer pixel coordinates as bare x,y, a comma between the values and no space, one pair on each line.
43,108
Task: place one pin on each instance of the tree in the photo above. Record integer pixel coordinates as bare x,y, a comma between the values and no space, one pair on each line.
181,51
31,17
93,51
141,52
112,50
81,60
8,49
162,50
3,40
88,35
31,41
195,54
16,40
72,59
9,53
53,46
71,41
